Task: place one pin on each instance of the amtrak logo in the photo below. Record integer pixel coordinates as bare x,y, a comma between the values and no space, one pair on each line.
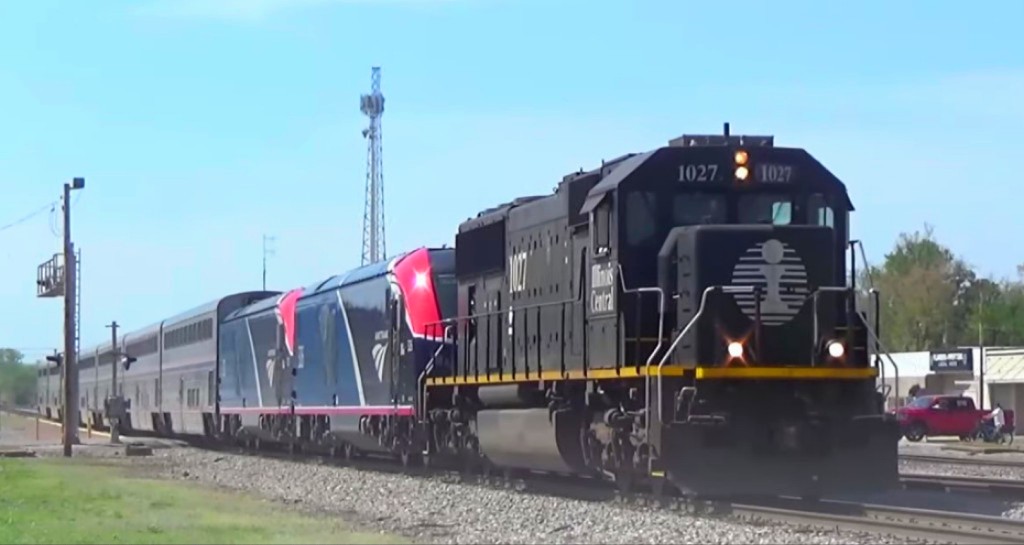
271,366
777,269
380,353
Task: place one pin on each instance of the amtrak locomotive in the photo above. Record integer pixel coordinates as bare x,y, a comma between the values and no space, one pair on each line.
681,316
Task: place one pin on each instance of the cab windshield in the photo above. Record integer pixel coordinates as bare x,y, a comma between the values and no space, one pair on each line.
648,215
699,208
446,288
765,208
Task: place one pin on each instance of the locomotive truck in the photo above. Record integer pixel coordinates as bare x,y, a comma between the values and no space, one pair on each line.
686,316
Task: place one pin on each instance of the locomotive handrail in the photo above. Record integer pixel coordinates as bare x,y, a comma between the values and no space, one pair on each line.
867,266
876,312
867,326
814,331
421,381
888,355
661,336
661,310
668,352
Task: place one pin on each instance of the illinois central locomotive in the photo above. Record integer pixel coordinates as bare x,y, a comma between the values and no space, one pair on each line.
678,316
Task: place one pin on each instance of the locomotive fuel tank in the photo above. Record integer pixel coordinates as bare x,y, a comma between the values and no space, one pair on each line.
536,439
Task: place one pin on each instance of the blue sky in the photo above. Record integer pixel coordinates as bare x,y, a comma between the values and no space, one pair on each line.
202,124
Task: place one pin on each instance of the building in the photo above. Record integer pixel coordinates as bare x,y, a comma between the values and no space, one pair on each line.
957,371
1004,377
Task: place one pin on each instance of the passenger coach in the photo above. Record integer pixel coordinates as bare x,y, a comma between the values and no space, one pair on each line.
171,386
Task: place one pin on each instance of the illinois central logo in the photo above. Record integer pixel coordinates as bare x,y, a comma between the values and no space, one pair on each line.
777,269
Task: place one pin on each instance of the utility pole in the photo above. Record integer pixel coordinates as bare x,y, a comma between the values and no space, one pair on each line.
981,351
114,404
268,250
54,278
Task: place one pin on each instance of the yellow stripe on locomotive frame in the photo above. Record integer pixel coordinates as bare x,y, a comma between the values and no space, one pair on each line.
631,372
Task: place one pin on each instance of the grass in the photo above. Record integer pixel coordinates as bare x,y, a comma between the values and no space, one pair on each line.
60,501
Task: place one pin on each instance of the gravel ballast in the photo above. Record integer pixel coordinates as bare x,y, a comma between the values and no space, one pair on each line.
962,470
429,510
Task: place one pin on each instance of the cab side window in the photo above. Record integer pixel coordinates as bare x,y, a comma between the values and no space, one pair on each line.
820,211
641,217
602,227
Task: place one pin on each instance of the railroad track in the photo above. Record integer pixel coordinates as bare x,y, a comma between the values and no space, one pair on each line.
933,459
938,526
1007,488
930,525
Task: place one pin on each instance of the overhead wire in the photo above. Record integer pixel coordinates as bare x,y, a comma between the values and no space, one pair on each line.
55,226
50,206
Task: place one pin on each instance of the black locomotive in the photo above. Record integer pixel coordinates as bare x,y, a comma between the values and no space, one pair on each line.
680,313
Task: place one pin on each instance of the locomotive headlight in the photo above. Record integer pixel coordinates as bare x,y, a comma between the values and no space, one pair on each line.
742,172
740,157
836,349
735,349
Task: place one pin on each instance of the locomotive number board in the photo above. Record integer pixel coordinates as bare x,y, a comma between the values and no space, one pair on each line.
760,172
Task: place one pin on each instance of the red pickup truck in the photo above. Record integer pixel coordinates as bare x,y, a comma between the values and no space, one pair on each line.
943,415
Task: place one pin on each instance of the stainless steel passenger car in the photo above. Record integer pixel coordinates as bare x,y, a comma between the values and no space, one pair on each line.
170,386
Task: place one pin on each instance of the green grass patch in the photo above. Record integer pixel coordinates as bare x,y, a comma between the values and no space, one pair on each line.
61,501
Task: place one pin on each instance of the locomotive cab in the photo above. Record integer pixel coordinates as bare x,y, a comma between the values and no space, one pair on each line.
707,212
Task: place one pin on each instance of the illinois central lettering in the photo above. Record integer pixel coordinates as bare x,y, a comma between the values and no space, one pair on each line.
602,276
602,288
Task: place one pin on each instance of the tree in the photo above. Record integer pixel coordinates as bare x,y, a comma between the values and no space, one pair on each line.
996,314
923,294
931,299
17,380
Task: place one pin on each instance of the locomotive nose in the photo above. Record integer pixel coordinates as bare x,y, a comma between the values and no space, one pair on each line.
767,322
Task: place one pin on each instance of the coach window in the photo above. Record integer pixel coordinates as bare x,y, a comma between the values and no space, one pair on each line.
641,217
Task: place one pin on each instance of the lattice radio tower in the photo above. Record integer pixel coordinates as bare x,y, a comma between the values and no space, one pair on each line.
372,105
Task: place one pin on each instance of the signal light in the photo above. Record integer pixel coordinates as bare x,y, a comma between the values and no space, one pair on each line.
742,170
